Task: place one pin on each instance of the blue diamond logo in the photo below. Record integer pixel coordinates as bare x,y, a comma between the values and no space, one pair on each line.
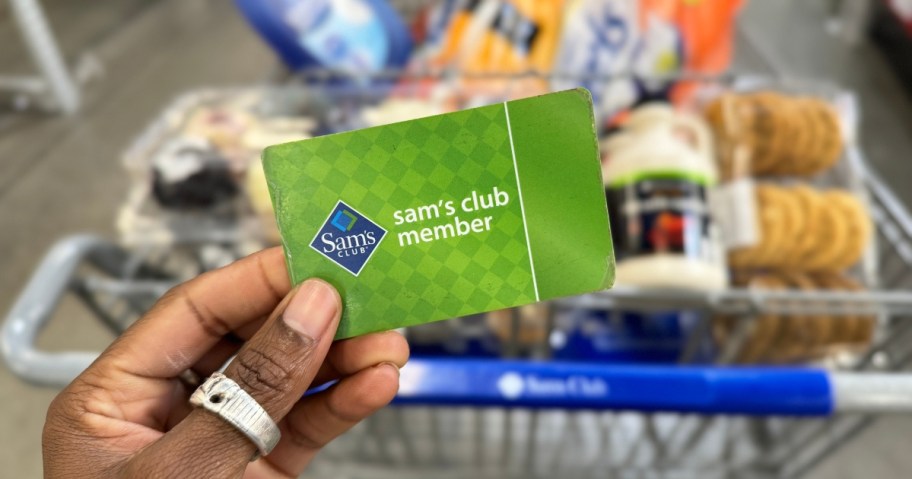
348,238
344,220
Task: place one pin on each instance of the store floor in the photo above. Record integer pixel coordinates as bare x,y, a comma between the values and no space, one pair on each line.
60,176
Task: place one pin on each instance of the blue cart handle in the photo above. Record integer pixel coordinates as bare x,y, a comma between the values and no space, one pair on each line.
707,390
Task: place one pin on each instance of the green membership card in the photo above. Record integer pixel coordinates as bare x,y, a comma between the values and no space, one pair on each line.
449,215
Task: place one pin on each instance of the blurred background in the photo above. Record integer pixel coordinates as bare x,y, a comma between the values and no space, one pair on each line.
141,122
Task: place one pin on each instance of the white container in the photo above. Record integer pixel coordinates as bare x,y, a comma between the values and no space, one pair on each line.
657,175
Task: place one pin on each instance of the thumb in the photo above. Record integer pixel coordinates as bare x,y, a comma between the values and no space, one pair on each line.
275,367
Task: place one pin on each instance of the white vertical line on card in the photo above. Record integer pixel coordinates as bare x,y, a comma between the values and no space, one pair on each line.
522,208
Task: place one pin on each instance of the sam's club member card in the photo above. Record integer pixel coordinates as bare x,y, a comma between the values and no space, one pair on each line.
449,215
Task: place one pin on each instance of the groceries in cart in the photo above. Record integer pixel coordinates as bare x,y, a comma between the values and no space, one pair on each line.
681,219
706,183
195,175
188,173
789,338
658,169
621,51
743,191
790,225
806,229
777,134
354,36
449,215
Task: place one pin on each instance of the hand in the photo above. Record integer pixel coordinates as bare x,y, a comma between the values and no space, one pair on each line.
128,414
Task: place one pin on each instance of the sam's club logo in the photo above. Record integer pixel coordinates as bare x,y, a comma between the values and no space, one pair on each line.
348,238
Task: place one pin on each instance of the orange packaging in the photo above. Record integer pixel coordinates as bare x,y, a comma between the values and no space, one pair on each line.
615,48
512,36
622,47
707,31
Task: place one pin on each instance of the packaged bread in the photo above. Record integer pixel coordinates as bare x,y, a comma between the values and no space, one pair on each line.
782,135
802,229
814,332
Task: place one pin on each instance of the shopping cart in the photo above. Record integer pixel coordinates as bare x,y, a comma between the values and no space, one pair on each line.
500,417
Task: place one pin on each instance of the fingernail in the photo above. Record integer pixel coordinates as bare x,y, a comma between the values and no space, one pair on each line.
387,364
312,309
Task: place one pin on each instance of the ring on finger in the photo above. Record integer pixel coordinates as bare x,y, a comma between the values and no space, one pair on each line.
226,399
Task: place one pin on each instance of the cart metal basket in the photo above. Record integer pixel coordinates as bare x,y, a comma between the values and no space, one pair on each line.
499,417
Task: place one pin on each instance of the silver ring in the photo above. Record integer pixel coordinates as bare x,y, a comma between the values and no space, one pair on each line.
224,398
